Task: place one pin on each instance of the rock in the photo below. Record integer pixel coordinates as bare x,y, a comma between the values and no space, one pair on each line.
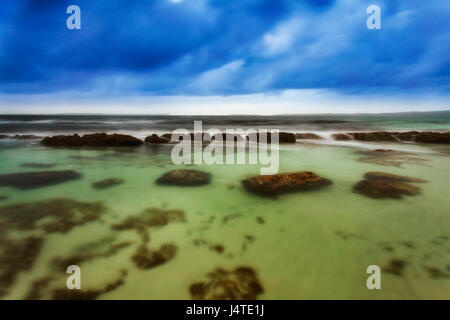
433,137
341,137
154,138
37,179
284,183
4,136
392,177
92,140
37,165
183,177
107,183
240,284
385,189
283,137
384,185
2,198
310,136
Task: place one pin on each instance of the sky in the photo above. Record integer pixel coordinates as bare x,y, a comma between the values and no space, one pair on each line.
224,56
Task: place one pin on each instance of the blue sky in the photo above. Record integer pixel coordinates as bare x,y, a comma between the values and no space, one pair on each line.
224,56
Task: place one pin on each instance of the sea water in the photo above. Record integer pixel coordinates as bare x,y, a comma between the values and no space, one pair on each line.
305,245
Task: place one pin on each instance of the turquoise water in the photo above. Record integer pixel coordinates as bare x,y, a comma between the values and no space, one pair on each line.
314,245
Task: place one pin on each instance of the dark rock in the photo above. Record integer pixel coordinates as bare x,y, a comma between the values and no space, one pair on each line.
374,175
283,137
92,140
3,197
4,136
182,177
385,185
341,137
107,183
38,165
37,179
240,284
154,138
285,182
309,136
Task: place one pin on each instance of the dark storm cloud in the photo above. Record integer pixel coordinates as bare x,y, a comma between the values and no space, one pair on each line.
220,47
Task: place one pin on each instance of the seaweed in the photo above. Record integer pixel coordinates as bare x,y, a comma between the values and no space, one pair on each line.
240,284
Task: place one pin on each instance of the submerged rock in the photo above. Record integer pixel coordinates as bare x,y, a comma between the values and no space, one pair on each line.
37,179
56,215
395,267
390,158
154,138
183,177
3,197
92,140
310,136
38,165
374,175
240,284
88,294
285,182
145,258
107,183
385,185
17,256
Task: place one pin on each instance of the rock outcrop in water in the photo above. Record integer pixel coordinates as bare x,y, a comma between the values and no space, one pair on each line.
37,179
240,284
283,137
341,137
107,183
154,138
309,136
276,184
183,177
384,185
93,140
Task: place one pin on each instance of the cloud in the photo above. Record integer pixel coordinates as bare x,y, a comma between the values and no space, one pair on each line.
216,47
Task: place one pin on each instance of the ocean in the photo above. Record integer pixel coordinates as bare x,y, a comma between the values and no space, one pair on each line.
304,245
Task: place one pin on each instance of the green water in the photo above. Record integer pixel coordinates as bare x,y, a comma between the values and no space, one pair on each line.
298,253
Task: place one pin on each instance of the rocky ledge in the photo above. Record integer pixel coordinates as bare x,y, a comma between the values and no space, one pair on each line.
182,177
284,183
92,140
